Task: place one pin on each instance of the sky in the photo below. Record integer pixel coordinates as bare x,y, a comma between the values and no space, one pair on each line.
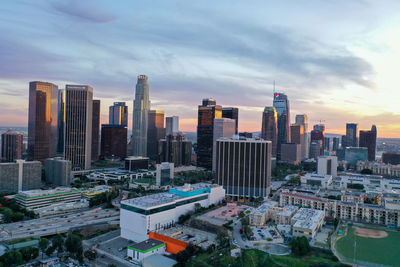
338,61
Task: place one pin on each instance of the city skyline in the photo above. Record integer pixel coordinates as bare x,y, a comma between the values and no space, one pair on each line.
333,78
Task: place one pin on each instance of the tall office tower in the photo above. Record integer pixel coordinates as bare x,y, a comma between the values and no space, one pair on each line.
368,140
118,114
60,121
291,153
141,107
96,130
155,132
318,134
78,126
269,128
208,111
42,121
315,149
11,146
351,135
344,142
244,166
231,113
113,141
223,127
302,119
171,125
58,171
20,176
335,143
175,148
327,143
281,104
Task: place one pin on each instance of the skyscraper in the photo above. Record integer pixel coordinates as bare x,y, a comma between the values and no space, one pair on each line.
155,132
141,107
172,125
60,121
118,114
231,113
175,148
301,119
113,141
42,121
96,130
244,166
351,135
318,134
223,127
335,143
11,146
78,125
208,111
281,104
368,140
269,128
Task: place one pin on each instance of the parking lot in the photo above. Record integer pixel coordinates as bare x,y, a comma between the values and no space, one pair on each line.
266,234
223,214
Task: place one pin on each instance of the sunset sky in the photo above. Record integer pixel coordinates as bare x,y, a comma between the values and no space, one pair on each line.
338,61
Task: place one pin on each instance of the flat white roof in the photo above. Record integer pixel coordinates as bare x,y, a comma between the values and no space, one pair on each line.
40,192
307,218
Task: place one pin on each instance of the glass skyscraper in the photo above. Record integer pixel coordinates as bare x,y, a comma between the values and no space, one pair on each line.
281,104
118,114
269,128
141,107
42,121
207,112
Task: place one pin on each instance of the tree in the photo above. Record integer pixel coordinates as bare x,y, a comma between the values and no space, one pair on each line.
241,214
29,253
58,243
90,255
73,244
12,257
50,250
197,207
43,245
222,239
300,246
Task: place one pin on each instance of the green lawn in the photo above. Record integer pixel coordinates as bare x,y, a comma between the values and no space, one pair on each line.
382,251
255,258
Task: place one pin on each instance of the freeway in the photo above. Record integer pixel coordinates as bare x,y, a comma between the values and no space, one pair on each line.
57,224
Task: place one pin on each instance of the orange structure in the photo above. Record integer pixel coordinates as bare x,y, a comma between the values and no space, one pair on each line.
172,245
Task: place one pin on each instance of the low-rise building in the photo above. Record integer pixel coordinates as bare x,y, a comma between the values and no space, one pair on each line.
95,191
380,168
270,211
318,180
134,163
327,165
387,214
155,212
34,199
306,222
146,248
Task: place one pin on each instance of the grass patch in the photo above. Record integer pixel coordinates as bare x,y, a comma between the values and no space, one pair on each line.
376,250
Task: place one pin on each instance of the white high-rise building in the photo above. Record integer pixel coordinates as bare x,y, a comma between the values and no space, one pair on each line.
78,126
222,128
172,125
141,107
327,165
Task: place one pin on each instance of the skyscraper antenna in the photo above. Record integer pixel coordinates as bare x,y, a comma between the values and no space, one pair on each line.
274,87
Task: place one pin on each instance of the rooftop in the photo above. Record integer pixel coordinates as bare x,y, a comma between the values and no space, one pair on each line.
42,193
263,208
174,194
146,245
307,218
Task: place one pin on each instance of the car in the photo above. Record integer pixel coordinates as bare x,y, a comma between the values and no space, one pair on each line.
31,233
104,256
120,249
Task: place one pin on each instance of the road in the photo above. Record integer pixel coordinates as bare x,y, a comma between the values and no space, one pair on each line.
56,224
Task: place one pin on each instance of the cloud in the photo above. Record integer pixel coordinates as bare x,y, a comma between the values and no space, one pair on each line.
83,10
